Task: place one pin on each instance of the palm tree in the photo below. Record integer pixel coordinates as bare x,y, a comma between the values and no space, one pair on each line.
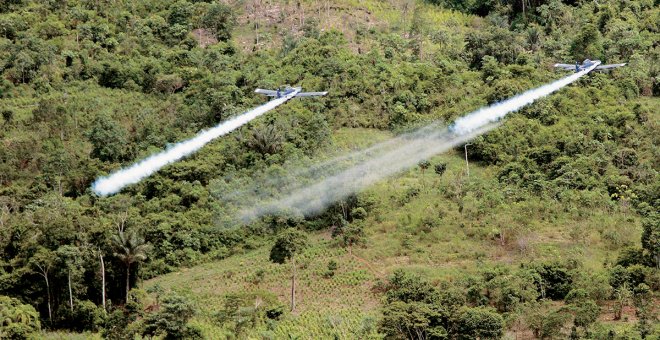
266,140
129,248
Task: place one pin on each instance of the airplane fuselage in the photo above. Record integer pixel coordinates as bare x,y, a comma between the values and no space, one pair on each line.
287,91
585,65
588,65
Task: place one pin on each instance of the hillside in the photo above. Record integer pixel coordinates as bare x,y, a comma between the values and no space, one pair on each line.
426,234
553,232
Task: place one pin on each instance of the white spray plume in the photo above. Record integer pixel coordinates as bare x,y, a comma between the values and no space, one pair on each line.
497,111
115,182
390,159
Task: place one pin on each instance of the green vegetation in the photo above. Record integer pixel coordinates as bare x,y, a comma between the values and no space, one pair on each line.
553,234
18,320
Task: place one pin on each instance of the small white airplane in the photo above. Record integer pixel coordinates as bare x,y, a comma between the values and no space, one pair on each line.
586,64
279,93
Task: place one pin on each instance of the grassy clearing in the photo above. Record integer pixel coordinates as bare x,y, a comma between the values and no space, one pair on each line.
263,26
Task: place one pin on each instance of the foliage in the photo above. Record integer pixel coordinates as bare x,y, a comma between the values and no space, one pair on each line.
87,87
553,280
407,287
172,319
479,323
544,320
411,320
18,320
245,311
129,248
651,237
440,168
288,243
220,19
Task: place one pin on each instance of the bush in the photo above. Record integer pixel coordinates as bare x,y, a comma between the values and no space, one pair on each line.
544,320
125,322
553,281
440,168
18,320
249,310
86,316
479,322
424,164
407,287
332,267
631,256
7,116
632,276
220,20
586,313
172,319
403,320
168,83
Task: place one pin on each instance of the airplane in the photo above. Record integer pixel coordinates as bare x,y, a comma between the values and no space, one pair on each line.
279,93
586,64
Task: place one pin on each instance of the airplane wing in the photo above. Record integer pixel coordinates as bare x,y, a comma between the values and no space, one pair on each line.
269,93
311,94
565,66
610,66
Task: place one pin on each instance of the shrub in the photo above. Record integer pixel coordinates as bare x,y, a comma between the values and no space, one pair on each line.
424,164
632,276
544,320
332,267
86,316
251,310
631,256
413,319
172,319
586,313
440,168
168,83
553,281
353,234
220,20
576,296
407,287
18,320
506,292
359,213
479,322
7,116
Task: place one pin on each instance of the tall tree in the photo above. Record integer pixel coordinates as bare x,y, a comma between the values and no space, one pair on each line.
220,20
129,248
102,278
289,243
72,258
44,260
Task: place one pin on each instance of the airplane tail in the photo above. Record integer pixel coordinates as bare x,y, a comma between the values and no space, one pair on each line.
269,93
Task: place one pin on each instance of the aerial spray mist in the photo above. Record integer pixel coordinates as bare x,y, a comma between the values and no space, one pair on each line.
412,148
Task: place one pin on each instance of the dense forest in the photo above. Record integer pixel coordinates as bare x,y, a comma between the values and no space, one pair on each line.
553,233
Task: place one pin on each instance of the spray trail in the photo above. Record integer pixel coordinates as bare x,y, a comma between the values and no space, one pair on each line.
115,182
300,173
414,147
497,111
